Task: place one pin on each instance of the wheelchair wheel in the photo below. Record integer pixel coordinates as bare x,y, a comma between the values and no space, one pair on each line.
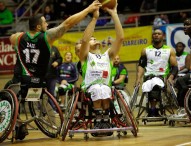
187,103
69,114
127,114
49,117
8,113
134,97
173,95
15,88
126,96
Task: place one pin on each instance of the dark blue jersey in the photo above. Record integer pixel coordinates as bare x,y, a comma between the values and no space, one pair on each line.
68,72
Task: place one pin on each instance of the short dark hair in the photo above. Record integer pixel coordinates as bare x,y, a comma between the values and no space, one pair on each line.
159,30
187,21
34,21
181,44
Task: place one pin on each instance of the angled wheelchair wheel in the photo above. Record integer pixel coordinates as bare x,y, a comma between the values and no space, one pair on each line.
134,97
127,114
187,103
47,113
15,88
173,95
126,96
8,112
69,115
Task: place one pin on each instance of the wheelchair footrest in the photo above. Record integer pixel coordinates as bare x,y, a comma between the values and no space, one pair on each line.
179,119
154,118
100,130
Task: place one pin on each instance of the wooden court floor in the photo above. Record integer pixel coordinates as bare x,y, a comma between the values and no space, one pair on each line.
151,134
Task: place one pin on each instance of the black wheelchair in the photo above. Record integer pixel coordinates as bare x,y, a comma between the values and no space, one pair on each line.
166,102
36,104
80,117
182,115
186,117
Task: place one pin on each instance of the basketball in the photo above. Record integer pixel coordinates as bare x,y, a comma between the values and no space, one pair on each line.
108,3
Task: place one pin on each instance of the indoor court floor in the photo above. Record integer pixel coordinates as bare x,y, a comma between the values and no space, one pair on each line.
151,134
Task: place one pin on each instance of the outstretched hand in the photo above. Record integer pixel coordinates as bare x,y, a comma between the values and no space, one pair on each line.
110,11
94,6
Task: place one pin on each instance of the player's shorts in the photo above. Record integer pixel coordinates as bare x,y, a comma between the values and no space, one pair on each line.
98,91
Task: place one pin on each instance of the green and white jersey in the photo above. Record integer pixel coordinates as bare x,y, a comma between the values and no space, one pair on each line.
157,61
96,70
181,60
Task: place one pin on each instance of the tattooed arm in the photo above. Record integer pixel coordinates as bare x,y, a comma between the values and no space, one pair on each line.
57,32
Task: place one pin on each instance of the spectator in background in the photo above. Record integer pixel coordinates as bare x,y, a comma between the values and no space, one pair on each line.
183,16
59,9
49,15
67,76
119,73
6,18
120,79
147,6
160,20
180,17
77,51
51,75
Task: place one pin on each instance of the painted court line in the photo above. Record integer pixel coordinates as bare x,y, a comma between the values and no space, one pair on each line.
184,144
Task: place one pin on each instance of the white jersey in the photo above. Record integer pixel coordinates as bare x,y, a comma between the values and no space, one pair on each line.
157,61
181,60
97,69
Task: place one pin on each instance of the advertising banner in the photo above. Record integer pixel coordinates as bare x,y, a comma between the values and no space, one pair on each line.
7,56
175,34
135,40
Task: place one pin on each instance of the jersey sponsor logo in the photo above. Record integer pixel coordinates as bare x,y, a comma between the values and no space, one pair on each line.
102,64
105,74
161,69
92,63
95,73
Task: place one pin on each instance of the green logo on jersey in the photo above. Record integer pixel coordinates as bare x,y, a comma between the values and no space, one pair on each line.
151,61
92,63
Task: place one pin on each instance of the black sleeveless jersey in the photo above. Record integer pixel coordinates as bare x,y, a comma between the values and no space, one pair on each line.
34,54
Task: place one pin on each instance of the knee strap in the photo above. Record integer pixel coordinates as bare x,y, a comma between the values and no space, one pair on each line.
61,91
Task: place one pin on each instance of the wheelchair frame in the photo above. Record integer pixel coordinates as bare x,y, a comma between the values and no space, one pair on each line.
173,120
74,124
163,108
67,96
41,111
187,103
